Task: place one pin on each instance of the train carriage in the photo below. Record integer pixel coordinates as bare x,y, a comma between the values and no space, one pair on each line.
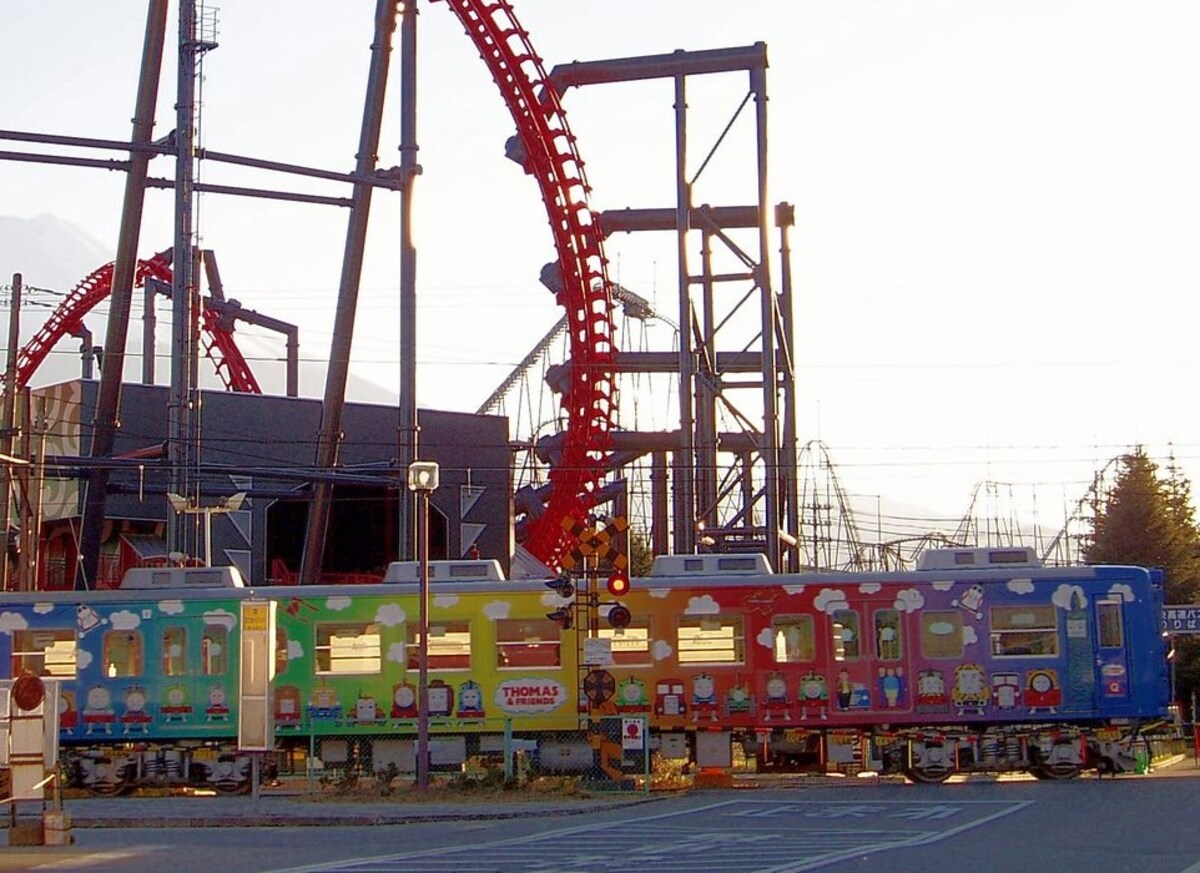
978,660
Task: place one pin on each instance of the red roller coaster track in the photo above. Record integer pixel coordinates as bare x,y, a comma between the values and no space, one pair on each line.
219,344
550,157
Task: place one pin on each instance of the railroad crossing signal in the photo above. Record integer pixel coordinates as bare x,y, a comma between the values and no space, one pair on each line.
618,584
597,542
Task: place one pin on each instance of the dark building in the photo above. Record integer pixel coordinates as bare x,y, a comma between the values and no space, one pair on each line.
264,447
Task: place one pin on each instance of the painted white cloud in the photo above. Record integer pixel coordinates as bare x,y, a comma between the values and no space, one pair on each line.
793,589
337,603
220,617
766,638
969,635
390,614
497,609
830,599
170,607
704,605
941,628
397,653
1068,596
661,650
909,600
942,585
12,621
295,649
83,659
43,608
445,601
124,619
1020,586
1120,589
870,587
660,593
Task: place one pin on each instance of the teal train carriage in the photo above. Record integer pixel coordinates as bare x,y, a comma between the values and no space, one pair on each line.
149,672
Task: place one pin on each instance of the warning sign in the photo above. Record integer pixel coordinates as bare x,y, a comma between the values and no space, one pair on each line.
633,733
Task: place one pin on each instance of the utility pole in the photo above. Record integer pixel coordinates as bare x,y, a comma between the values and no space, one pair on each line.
6,420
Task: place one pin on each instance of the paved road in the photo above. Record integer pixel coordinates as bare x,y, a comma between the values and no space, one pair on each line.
781,825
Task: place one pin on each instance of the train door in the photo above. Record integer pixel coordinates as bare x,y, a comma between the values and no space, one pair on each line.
196,658
851,682
889,672
1112,658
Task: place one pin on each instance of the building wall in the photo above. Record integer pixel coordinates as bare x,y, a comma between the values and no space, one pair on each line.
260,444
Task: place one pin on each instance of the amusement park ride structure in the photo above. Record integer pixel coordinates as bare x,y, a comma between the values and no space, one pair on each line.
727,489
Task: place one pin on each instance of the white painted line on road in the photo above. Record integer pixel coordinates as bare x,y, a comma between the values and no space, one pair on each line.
770,836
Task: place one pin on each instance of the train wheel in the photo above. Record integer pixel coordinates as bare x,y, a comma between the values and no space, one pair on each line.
231,787
930,764
105,788
930,775
1060,770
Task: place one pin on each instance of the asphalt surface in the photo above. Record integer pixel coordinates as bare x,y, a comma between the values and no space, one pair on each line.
292,808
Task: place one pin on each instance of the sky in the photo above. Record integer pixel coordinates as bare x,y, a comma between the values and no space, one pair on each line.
996,206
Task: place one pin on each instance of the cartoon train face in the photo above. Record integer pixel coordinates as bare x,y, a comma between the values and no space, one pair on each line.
441,698
404,700
668,697
99,699
135,700
470,700
287,703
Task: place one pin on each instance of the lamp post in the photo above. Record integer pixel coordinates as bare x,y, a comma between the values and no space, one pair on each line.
423,479
187,506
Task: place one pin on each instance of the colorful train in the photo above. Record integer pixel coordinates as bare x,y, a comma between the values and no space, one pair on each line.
981,659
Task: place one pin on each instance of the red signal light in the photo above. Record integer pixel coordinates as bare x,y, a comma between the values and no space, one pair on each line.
618,584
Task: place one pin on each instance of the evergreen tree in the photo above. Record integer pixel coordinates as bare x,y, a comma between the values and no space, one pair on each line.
1148,520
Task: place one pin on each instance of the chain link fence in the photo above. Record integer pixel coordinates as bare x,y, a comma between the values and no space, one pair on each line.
606,754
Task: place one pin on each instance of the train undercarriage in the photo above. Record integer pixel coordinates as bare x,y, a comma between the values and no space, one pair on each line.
931,755
924,755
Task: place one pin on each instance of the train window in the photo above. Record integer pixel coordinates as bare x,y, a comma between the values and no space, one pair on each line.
174,651
528,642
348,648
48,652
888,645
1022,631
122,652
214,650
711,639
845,635
631,644
942,634
449,646
1108,615
795,640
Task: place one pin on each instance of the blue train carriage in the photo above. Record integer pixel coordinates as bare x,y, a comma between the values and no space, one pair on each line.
979,660
148,675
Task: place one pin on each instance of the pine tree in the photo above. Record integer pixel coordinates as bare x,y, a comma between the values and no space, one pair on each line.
1149,521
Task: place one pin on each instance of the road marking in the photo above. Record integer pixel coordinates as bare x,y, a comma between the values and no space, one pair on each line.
758,836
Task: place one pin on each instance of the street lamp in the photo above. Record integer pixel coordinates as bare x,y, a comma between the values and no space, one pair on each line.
187,506
423,479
